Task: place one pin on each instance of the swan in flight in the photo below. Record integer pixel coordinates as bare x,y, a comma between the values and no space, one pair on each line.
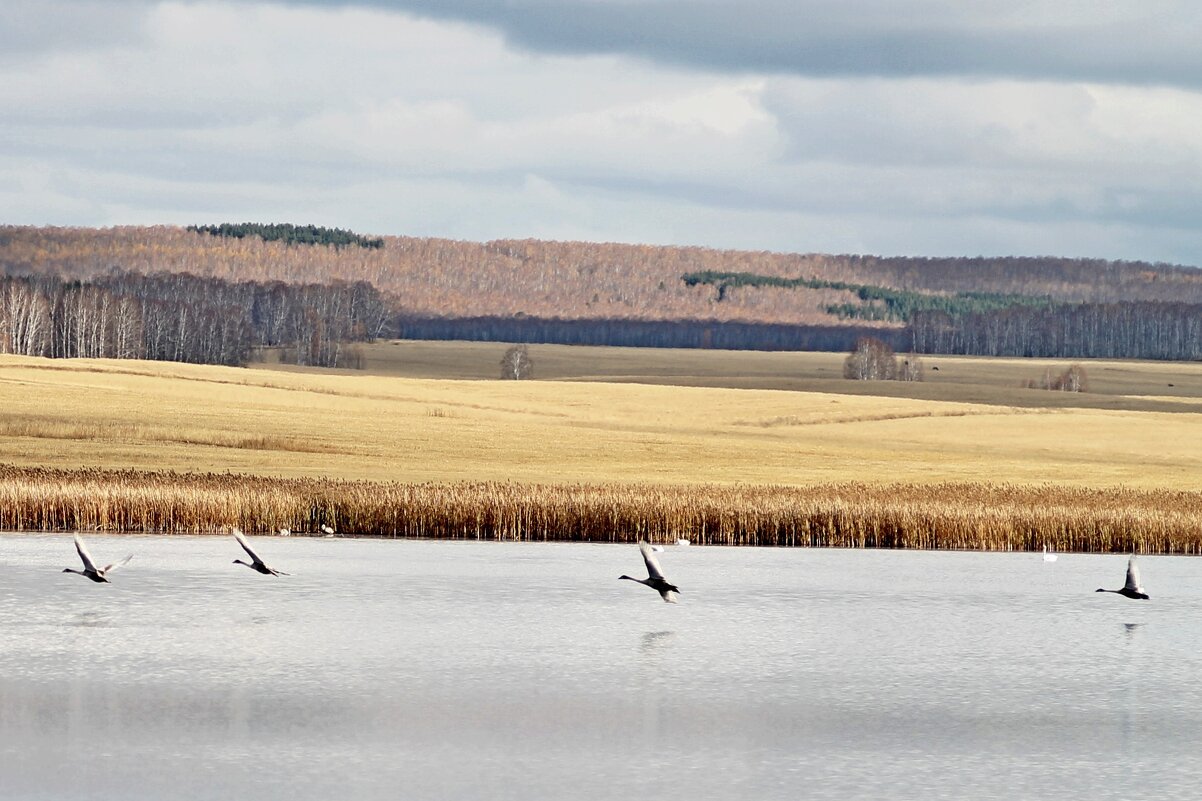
1132,589
655,577
256,563
97,574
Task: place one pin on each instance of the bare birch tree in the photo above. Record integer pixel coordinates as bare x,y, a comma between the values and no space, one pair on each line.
516,364
871,360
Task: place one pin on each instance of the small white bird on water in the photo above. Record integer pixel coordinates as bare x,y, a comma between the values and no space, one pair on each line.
327,530
1048,557
97,574
256,563
655,577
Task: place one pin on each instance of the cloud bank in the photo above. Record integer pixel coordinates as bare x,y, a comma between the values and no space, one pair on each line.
1054,129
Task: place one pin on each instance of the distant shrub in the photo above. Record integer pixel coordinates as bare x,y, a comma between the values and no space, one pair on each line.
1072,379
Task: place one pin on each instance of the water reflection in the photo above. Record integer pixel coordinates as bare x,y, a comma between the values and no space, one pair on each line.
92,620
655,641
801,668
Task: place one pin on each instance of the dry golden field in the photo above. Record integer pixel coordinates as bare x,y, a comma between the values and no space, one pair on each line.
434,412
610,444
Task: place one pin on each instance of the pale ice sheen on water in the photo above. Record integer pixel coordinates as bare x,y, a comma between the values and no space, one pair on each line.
459,670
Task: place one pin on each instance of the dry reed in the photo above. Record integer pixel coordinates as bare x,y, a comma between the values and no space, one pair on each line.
940,516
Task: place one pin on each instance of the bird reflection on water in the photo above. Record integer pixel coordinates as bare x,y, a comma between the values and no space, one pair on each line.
653,641
92,620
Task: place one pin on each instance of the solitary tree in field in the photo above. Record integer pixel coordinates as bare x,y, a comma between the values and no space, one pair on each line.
516,364
910,368
871,360
1074,380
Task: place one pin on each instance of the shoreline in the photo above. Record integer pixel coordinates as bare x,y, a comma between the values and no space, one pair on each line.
946,516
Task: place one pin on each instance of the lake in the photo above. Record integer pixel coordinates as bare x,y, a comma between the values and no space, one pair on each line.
461,670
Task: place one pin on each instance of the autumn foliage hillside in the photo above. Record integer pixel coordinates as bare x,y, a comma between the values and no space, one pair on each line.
578,280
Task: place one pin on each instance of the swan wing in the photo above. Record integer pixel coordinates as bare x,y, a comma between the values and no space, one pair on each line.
1133,576
116,565
653,569
83,554
246,546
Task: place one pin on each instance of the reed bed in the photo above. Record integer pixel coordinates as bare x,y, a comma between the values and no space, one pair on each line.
959,516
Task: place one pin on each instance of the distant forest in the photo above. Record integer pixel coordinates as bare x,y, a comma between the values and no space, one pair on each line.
576,292
184,318
290,234
873,302
725,335
1140,330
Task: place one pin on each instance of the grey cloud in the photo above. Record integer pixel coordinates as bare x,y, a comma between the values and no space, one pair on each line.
412,127
34,26
1122,42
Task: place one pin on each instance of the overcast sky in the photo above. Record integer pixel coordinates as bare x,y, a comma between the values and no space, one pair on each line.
895,127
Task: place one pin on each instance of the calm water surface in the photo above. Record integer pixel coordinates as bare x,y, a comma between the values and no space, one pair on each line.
438,670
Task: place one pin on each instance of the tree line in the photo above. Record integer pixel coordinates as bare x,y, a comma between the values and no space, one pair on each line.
870,302
183,317
644,333
290,234
588,281
589,293
186,318
1139,330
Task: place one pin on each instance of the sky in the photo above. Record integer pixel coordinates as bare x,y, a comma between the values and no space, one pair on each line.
892,127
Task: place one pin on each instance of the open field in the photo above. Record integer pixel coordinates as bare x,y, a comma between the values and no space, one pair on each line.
605,450
151,416
1132,385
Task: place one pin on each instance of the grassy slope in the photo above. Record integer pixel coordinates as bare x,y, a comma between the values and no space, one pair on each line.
434,412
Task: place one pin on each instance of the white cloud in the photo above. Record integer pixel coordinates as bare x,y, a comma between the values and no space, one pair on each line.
388,123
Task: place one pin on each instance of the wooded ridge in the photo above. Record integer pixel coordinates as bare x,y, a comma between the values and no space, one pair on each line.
605,293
